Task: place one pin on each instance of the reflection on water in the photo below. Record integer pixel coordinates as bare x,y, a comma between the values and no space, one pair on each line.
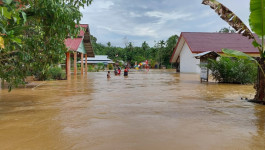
153,110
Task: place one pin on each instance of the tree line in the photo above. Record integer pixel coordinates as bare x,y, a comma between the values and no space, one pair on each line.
158,55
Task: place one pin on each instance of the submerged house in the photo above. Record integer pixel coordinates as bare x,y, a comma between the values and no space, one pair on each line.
79,47
192,43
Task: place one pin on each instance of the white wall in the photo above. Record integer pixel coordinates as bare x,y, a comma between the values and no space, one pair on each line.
188,64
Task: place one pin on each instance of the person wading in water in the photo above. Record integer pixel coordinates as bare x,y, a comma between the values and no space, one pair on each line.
108,75
126,71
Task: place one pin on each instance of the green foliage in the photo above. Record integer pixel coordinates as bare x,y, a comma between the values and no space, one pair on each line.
56,73
52,73
32,38
90,68
153,63
120,63
100,66
110,66
229,70
161,52
257,17
237,54
227,30
97,68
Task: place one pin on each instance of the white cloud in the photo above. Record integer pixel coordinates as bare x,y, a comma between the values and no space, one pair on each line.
167,16
133,14
149,20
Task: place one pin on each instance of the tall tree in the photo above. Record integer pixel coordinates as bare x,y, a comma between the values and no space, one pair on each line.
145,47
129,53
170,45
161,45
109,44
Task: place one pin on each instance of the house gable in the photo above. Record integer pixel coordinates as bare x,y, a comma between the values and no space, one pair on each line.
188,63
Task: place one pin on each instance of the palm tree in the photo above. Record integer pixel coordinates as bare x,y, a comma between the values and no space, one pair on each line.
161,47
145,46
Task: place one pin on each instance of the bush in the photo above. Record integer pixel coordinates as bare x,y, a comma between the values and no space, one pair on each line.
152,63
55,73
110,67
90,68
232,70
120,63
169,66
100,66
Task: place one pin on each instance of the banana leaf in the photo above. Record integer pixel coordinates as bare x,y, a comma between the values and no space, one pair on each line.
237,54
233,20
241,55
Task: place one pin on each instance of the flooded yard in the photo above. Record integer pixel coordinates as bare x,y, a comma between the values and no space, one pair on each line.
155,110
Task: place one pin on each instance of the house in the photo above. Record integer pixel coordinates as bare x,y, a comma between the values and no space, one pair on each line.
192,43
79,47
98,59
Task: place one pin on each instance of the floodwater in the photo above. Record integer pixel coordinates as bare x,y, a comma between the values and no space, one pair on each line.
158,110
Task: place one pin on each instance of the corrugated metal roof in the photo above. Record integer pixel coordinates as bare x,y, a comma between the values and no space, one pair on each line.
205,53
201,42
73,44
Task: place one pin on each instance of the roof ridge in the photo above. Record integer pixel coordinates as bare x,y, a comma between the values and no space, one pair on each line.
209,32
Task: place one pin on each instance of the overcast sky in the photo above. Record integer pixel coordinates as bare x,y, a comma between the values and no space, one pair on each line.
118,21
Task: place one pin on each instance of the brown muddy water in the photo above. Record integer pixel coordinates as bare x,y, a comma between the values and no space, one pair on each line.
158,110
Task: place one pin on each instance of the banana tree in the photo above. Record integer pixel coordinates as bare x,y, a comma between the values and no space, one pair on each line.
257,24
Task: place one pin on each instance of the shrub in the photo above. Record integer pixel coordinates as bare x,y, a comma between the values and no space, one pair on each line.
120,63
232,70
90,68
169,66
110,67
100,66
152,63
55,73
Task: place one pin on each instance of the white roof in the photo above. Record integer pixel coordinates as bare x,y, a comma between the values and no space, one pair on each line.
98,59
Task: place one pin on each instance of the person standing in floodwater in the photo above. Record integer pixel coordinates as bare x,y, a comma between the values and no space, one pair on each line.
119,70
115,71
126,71
108,75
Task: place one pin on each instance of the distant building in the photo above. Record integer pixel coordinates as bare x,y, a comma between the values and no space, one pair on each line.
192,43
98,59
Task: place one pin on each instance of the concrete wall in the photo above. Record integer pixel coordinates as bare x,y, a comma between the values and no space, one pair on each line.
188,64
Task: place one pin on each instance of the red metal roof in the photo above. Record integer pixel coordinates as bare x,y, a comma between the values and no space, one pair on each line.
82,33
73,44
201,42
